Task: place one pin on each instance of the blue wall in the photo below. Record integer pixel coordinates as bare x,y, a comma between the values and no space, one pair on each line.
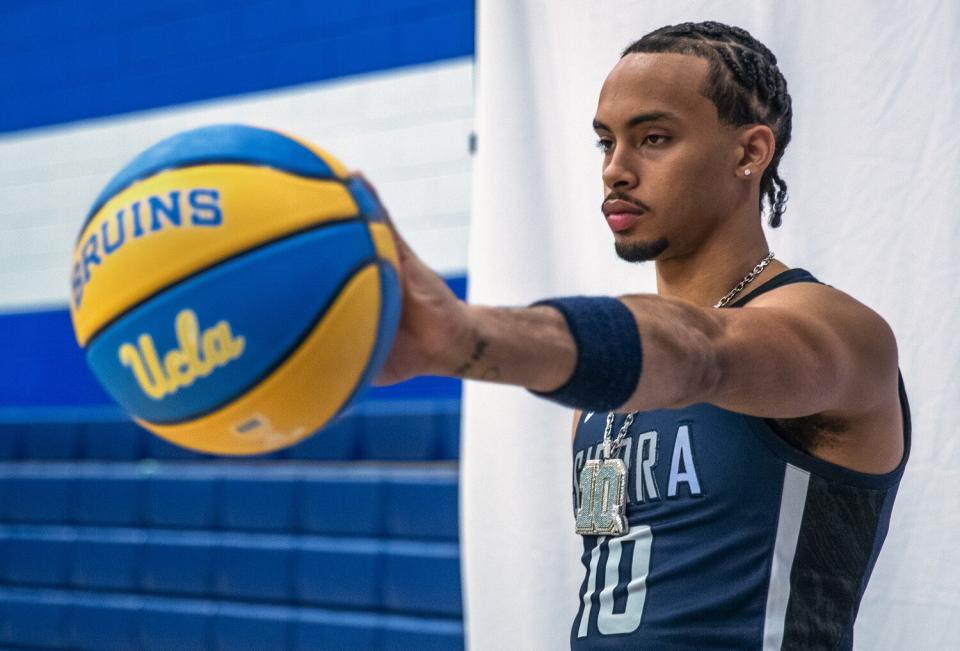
62,60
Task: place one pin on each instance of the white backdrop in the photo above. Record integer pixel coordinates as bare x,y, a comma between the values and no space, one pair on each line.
873,172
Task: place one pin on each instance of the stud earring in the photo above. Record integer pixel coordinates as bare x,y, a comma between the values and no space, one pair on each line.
747,172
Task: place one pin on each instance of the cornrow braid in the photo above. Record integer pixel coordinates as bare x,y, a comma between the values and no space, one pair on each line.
743,82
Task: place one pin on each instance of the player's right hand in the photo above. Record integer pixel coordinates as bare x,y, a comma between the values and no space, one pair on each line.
432,318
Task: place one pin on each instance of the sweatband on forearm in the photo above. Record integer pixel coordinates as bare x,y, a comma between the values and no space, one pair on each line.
609,353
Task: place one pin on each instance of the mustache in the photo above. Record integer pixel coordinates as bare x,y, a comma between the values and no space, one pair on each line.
619,196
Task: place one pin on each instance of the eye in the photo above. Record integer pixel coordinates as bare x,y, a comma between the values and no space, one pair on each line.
604,145
658,136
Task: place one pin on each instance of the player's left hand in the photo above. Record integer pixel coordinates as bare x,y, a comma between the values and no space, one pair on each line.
432,318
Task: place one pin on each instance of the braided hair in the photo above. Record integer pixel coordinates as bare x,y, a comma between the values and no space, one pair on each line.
744,84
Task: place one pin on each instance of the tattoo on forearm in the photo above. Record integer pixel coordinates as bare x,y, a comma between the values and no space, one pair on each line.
491,373
478,350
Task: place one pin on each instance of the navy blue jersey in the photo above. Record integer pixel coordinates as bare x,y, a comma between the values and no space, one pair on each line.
737,539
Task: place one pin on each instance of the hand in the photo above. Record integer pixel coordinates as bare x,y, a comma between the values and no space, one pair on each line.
432,318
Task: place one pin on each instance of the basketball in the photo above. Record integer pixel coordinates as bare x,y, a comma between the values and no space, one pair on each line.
234,289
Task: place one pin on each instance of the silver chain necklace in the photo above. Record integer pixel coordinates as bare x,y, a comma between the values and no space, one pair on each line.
746,280
611,448
603,480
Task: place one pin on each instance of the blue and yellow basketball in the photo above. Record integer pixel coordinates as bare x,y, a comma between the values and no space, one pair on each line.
234,289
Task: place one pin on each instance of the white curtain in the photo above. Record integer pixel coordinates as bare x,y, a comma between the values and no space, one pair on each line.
873,172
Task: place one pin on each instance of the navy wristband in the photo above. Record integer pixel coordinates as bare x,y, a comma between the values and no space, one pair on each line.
609,353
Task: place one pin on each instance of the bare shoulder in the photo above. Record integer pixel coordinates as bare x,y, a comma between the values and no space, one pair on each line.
818,297
866,432
576,421
859,327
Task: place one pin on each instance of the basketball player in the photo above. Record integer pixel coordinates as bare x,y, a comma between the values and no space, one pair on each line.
740,436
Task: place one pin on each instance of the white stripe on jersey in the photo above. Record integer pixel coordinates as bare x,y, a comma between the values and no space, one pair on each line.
792,502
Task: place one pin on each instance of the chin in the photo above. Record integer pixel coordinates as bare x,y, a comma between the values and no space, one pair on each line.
643,251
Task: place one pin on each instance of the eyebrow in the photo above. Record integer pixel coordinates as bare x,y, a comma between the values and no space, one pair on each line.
639,119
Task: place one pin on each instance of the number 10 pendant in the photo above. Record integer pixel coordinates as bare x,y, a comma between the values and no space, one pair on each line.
603,492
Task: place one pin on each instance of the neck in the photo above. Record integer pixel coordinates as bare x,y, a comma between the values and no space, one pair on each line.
703,276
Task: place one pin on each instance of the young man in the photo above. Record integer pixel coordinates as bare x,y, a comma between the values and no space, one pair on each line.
735,468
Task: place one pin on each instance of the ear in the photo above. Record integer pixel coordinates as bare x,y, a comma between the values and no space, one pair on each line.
757,146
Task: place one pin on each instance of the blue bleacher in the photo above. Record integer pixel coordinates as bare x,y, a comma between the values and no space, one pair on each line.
98,621
340,500
246,627
260,503
404,587
108,498
178,562
368,573
111,538
181,500
107,562
382,430
176,624
396,502
35,618
86,621
345,503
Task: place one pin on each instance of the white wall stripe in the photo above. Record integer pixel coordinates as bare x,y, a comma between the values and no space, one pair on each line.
408,130
792,502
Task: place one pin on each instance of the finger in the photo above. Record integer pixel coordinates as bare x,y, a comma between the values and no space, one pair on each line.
360,176
403,249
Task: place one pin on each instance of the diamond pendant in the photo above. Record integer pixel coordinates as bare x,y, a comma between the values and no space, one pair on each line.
602,503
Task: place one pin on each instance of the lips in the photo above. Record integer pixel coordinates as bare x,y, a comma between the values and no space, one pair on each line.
621,215
622,221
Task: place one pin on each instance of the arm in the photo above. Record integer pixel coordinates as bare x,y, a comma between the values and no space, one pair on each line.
801,350
806,349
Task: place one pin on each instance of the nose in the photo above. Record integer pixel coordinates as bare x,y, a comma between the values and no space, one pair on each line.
618,174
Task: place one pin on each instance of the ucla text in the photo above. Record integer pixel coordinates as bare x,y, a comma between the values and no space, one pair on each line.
198,355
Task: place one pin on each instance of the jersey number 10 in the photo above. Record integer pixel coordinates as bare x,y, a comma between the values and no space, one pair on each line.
640,538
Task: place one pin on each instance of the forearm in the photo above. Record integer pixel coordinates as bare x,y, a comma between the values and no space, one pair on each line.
534,348
524,346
